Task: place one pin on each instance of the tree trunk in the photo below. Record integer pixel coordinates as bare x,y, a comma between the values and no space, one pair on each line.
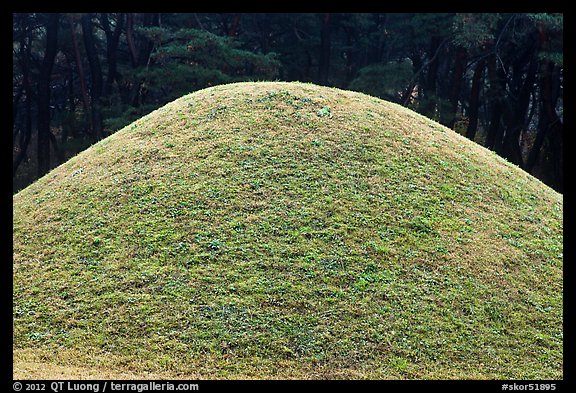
79,65
130,40
26,49
457,78
112,41
474,102
145,45
554,127
550,126
383,51
494,134
429,86
534,154
233,30
44,94
417,68
70,82
349,53
15,102
96,77
511,148
324,61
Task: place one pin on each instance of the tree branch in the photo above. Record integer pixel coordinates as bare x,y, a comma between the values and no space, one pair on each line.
411,83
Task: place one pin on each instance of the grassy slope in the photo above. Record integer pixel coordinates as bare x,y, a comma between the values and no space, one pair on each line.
283,230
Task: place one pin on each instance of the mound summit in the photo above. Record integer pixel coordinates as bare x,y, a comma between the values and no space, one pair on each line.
287,230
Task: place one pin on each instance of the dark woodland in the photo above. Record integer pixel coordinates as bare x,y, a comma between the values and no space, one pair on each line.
495,78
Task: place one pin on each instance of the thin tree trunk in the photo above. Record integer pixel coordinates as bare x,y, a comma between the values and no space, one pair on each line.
26,46
430,82
145,45
382,41
555,128
324,61
512,149
534,154
494,134
233,30
349,57
78,59
112,41
457,78
421,66
475,100
417,67
44,94
550,125
130,39
96,77
197,20
15,103
70,76
553,176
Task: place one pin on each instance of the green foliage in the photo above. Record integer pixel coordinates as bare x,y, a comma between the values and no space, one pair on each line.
427,25
552,26
552,21
474,30
325,111
220,56
182,61
167,55
386,81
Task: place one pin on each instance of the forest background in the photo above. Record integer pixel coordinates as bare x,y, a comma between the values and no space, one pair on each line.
496,78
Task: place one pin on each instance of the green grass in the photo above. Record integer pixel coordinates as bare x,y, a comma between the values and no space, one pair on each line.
286,230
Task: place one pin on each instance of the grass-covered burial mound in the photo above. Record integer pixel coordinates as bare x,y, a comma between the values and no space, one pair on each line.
287,230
